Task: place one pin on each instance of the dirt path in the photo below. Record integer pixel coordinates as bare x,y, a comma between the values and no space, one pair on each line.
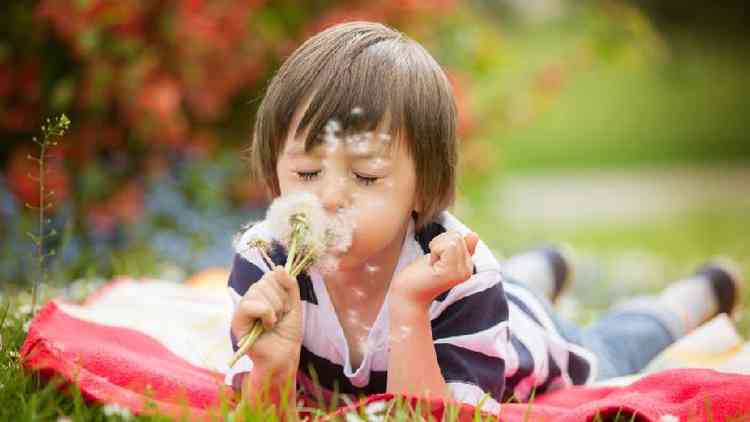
584,197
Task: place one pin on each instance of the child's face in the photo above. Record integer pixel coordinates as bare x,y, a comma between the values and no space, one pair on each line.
372,183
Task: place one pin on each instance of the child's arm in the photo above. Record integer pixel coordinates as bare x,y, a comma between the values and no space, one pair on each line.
412,360
273,298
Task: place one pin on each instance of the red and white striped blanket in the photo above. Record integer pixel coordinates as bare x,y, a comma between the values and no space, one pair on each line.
143,344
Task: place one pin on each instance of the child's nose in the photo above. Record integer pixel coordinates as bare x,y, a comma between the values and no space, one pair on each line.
334,194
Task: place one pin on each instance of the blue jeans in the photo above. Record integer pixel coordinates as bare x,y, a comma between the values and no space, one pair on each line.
625,339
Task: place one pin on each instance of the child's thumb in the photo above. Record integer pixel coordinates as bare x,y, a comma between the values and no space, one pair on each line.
471,240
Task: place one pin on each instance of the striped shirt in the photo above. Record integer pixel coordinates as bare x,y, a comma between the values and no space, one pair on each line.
490,337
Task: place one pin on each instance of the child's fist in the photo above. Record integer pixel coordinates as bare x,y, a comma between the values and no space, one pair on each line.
275,301
448,264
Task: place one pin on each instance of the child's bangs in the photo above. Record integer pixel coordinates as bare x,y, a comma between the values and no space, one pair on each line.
362,98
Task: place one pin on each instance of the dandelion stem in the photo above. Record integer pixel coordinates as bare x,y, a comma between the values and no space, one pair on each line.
292,252
247,341
266,258
302,264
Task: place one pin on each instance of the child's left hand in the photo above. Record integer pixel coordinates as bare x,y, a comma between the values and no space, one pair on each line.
448,264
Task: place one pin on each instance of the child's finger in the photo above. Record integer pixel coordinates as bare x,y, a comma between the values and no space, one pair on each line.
255,309
441,243
273,294
471,239
288,282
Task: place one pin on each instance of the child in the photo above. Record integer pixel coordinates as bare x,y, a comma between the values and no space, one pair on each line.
418,304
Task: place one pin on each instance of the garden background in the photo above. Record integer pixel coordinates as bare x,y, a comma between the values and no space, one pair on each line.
616,127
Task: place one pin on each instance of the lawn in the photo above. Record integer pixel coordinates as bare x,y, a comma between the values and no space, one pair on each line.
690,112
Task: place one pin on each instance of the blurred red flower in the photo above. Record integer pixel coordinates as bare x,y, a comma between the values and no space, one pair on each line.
22,173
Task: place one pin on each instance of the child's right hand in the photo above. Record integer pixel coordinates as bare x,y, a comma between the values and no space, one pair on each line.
274,300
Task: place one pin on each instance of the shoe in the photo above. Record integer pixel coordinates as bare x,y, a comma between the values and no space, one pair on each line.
560,260
546,270
725,278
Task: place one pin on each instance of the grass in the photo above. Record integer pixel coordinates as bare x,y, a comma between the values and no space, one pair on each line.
607,117
680,241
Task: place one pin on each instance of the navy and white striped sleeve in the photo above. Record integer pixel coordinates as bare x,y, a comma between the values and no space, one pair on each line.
471,337
248,268
243,275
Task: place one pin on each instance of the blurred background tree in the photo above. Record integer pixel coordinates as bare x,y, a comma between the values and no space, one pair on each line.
162,95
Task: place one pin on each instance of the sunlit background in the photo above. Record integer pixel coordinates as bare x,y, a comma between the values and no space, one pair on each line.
618,128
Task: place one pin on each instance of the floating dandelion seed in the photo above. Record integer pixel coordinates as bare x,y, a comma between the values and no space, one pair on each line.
359,293
330,135
357,111
401,334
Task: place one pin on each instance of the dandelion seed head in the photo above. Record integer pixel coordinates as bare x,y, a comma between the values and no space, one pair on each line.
340,231
338,239
286,209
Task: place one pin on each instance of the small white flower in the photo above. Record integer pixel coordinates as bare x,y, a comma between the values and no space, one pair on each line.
64,419
374,410
354,417
26,326
23,310
117,410
669,418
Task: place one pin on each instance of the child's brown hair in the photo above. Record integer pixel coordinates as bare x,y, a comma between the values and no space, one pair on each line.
380,73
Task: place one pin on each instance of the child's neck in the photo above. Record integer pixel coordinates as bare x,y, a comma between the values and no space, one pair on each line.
370,281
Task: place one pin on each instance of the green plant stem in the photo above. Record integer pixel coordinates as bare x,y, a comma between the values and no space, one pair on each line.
247,342
40,245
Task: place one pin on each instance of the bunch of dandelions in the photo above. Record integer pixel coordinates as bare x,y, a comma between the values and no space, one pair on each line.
311,237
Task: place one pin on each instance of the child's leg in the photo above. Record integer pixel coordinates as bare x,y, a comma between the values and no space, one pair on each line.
632,334
546,271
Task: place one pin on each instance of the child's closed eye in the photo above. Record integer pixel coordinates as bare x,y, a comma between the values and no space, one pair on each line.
308,175
360,178
365,180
